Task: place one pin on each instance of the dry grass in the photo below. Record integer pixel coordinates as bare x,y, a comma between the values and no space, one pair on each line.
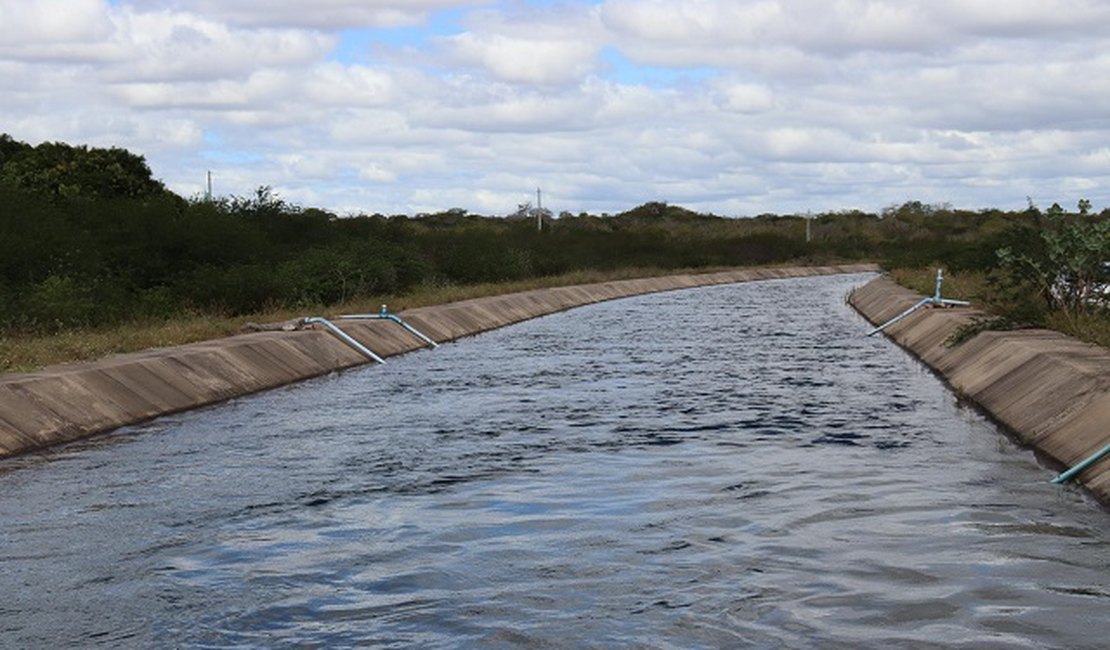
959,286
1092,328
25,353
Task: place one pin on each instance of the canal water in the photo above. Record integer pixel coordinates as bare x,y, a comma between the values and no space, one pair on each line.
732,466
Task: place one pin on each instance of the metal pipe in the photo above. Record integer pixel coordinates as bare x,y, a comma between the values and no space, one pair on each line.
385,315
1090,460
899,317
413,330
345,337
935,301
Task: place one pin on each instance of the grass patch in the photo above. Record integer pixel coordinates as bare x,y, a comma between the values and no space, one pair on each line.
976,288
982,324
1092,328
971,286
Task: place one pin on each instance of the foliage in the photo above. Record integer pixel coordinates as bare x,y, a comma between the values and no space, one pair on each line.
1067,265
981,324
89,238
60,171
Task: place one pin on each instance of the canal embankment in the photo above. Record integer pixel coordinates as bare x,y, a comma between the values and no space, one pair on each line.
1050,390
73,401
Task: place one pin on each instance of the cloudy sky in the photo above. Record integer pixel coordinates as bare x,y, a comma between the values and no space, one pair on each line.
732,106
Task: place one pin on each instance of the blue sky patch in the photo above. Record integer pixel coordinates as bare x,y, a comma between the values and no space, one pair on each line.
624,70
357,45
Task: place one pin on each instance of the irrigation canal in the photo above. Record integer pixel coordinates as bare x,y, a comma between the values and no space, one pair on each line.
731,466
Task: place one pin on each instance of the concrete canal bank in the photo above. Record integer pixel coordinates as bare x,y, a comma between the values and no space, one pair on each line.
1051,391
69,402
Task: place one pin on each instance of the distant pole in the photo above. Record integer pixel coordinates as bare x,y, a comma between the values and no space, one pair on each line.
208,192
808,217
539,211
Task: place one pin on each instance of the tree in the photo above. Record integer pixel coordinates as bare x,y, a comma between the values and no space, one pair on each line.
61,171
1068,269
11,148
527,211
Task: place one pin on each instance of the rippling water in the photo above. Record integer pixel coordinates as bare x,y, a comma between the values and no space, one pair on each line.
723,467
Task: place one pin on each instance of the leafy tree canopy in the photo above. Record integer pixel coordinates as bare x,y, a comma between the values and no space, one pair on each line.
63,171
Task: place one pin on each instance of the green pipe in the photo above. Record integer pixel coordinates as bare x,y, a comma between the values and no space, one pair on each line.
1091,460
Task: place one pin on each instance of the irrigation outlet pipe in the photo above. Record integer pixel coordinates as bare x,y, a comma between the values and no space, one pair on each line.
937,301
934,301
362,349
1091,460
385,315
345,337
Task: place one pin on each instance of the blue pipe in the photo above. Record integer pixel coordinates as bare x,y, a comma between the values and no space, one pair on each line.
1090,460
935,301
919,305
345,337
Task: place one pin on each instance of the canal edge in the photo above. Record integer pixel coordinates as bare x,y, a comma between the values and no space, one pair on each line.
64,403
1050,391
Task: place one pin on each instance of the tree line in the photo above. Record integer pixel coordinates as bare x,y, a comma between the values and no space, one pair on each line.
89,237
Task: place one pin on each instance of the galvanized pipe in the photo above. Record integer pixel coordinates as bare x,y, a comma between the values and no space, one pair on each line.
919,305
935,301
413,330
385,315
346,338
1075,471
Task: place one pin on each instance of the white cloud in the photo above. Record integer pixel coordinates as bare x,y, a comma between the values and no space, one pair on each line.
318,14
333,84
1023,18
691,22
744,107
52,22
377,173
843,27
546,45
163,45
526,60
745,97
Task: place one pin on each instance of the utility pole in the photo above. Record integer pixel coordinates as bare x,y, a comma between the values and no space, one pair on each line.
208,191
808,218
539,211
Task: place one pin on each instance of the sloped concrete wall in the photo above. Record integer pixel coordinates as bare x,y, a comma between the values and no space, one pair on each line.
68,402
1052,391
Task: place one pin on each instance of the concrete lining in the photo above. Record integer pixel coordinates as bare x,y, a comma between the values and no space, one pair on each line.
72,401
1050,390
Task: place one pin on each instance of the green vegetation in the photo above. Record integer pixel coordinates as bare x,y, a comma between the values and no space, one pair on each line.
25,351
91,245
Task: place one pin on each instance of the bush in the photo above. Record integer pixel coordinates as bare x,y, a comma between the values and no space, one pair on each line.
232,290
58,302
328,275
1067,267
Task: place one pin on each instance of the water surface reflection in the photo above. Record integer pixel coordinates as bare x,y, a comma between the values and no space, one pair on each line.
722,467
